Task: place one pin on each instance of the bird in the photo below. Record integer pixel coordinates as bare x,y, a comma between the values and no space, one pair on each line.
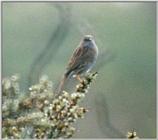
82,60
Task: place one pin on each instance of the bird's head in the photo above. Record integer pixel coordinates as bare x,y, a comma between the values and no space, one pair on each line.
88,41
88,38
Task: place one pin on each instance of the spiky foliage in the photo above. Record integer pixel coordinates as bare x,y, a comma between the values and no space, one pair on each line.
132,135
39,113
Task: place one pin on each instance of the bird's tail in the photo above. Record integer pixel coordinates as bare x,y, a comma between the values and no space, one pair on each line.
62,83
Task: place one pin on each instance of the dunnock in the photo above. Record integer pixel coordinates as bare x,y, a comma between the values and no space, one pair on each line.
81,61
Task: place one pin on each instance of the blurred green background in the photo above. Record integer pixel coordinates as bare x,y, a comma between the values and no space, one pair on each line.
39,38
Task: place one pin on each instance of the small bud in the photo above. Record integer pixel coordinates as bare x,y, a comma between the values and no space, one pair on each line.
46,102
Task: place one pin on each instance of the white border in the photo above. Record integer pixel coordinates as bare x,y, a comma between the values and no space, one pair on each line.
83,1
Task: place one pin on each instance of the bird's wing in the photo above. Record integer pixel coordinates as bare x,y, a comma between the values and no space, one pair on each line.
75,60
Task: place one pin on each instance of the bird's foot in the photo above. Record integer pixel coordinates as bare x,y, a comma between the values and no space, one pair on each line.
79,78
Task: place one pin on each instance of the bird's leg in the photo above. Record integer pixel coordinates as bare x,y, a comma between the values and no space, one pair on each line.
79,78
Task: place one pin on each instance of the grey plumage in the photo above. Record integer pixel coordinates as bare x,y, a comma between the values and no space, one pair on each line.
82,60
